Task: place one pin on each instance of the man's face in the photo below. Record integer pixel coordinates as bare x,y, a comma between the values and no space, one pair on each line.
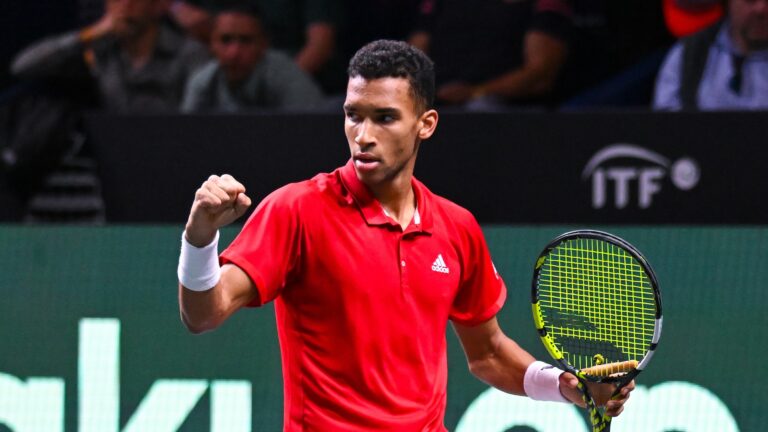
133,17
749,19
238,43
384,129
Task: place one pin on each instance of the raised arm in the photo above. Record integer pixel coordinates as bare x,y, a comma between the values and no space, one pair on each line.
500,362
51,56
319,47
208,295
543,57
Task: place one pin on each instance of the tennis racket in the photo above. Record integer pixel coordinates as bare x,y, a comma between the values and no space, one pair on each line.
597,308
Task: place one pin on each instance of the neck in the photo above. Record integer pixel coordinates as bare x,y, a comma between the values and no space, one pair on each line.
398,200
401,209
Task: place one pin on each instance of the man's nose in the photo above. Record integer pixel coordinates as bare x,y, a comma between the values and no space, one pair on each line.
363,135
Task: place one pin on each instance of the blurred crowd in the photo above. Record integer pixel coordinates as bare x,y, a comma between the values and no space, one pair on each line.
65,57
245,55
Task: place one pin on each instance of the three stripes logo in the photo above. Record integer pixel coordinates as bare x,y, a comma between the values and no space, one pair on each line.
439,265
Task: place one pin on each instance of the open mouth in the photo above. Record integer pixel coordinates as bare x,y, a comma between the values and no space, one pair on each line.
364,161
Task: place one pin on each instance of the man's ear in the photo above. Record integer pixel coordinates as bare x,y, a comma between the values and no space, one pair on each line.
427,124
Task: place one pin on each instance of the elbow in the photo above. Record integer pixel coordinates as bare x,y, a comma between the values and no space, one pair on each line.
196,327
537,80
542,86
197,323
481,369
474,369
29,64
197,312
192,327
20,67
196,330
544,89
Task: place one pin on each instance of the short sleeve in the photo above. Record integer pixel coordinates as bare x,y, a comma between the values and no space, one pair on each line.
482,291
268,246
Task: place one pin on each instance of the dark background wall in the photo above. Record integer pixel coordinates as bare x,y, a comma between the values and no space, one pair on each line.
702,168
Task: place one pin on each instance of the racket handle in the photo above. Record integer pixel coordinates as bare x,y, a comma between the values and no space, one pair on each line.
608,369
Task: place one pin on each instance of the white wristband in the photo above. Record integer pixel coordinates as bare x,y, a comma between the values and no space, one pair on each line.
542,382
199,268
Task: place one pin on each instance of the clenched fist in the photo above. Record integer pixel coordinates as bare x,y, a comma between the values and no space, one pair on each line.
218,202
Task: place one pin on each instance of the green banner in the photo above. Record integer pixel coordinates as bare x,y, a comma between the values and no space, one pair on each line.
92,341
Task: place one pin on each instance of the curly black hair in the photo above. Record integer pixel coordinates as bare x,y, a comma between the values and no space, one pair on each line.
397,59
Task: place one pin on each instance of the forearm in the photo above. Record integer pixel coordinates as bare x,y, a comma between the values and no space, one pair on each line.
201,311
543,57
520,84
50,57
318,48
208,293
204,310
200,287
503,366
47,57
203,302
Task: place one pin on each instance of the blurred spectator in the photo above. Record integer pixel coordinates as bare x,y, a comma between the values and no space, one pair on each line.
307,30
722,67
130,60
39,120
247,74
686,17
139,63
488,53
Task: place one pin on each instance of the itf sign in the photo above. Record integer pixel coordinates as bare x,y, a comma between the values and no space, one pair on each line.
621,171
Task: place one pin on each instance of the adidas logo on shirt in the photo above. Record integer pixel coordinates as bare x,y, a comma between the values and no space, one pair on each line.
439,265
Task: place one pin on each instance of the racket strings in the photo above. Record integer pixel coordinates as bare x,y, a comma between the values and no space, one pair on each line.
596,299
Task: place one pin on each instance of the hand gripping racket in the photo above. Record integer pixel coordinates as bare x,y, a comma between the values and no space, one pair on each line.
597,308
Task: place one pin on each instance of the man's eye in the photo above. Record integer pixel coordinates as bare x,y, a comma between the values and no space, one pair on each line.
387,118
352,116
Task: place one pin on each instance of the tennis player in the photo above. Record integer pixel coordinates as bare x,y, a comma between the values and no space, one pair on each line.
366,266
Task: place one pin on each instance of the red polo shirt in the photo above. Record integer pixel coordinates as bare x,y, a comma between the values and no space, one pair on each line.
361,304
